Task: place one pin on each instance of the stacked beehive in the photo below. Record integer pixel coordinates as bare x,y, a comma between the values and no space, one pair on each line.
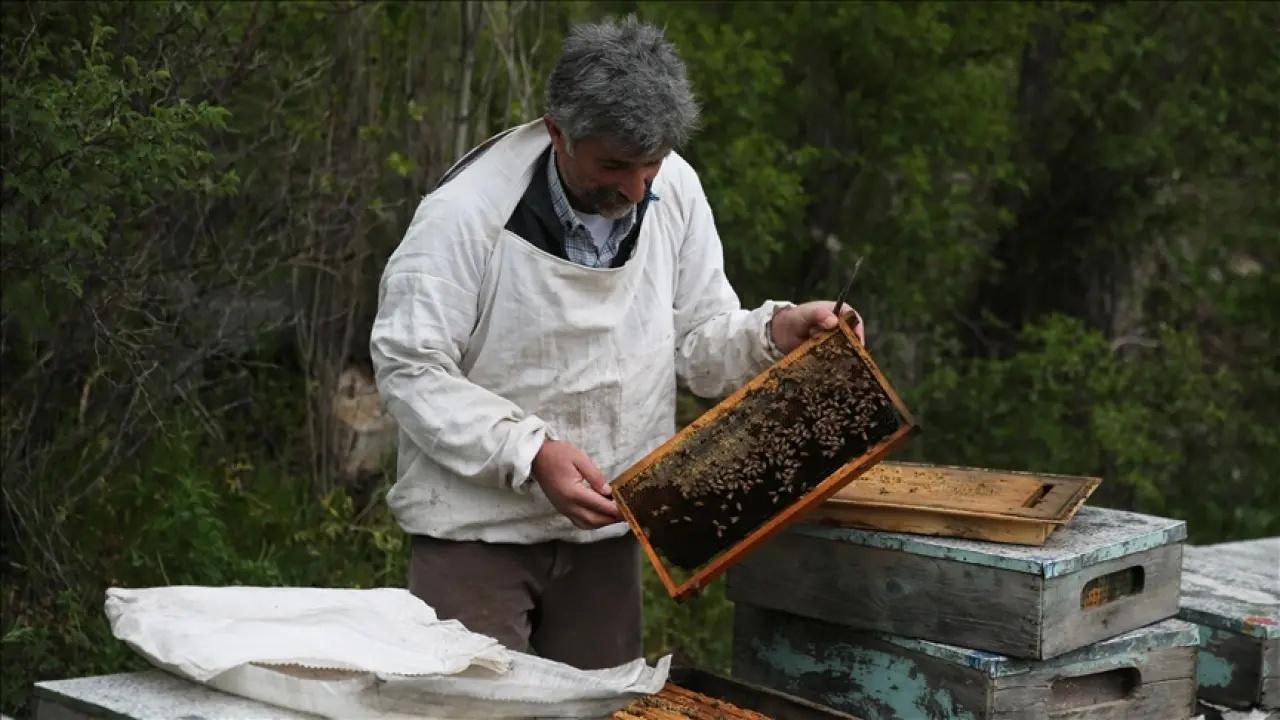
887,625
1231,592
890,626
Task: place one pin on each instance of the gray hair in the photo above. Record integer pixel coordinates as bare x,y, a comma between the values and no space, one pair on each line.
624,81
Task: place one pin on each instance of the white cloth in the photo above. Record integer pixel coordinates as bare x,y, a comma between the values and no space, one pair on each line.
358,654
484,346
201,632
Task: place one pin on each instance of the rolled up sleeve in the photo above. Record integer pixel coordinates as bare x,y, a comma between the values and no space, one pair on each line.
720,345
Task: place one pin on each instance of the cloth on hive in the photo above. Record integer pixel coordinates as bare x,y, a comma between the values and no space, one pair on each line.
358,653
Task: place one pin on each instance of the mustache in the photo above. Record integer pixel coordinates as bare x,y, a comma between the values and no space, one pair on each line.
608,202
607,197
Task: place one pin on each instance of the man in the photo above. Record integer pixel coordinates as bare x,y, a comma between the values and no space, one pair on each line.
530,332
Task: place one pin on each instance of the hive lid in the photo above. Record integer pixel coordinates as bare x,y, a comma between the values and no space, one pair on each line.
1233,587
1095,535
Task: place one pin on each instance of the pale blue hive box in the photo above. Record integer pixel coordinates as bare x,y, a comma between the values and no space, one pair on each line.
1105,573
1232,592
1146,674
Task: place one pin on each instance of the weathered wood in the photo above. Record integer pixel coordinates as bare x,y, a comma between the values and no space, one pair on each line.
147,695
1234,587
1230,668
1140,685
1169,700
895,592
1069,622
1270,695
857,673
1095,535
999,598
1148,674
750,466
970,503
1232,591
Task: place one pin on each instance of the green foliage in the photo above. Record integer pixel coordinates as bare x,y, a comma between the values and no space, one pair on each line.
92,136
1157,427
190,510
697,632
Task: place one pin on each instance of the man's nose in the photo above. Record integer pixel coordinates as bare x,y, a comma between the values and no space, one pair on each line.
636,185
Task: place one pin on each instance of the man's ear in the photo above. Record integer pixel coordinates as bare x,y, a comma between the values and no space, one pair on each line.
557,135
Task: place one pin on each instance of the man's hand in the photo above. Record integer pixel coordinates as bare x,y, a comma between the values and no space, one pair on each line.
574,485
793,325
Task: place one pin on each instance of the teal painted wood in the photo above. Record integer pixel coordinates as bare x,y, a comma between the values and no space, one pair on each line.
1233,587
1229,671
1232,592
884,677
1167,634
1094,536
857,673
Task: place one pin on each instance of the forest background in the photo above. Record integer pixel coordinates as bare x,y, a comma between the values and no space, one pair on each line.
1069,213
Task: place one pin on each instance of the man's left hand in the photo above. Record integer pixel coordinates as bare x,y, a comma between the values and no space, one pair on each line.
793,325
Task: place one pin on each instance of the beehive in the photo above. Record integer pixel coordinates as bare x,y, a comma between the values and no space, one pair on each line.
785,441
1231,592
1105,573
1146,674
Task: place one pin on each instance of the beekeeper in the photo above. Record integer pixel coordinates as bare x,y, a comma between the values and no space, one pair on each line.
531,329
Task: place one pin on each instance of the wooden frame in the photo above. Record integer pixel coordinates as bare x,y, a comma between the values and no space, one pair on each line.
720,562
692,694
1005,506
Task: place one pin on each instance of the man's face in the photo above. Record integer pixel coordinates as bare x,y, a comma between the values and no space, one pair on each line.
600,178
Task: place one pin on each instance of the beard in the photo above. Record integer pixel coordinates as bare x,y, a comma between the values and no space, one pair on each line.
608,203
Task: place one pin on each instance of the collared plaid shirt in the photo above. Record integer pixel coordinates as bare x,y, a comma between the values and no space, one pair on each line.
579,244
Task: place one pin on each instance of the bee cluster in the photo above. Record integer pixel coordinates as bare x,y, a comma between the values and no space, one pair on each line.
778,442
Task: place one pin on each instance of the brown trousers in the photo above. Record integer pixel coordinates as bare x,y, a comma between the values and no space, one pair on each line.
575,603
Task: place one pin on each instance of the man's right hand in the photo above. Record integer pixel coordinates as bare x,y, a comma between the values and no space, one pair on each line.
574,485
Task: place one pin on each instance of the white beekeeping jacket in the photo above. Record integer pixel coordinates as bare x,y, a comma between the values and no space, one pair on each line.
484,346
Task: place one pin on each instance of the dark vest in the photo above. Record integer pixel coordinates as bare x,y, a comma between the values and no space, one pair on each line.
535,218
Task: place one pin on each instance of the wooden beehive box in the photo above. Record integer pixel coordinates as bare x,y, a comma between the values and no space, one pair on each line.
782,443
1106,572
1231,592
972,503
1146,674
